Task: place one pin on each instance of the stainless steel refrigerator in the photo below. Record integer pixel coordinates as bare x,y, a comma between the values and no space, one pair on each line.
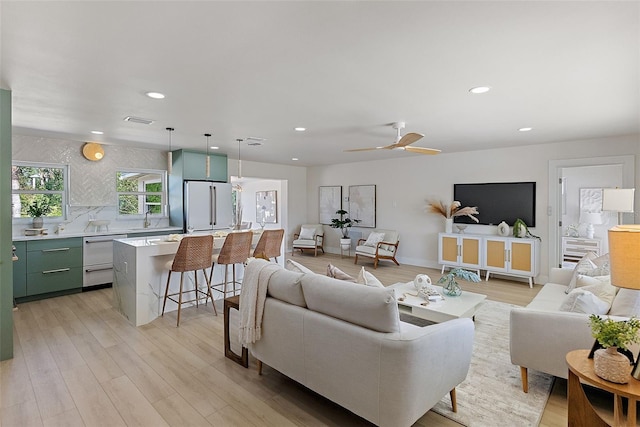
207,205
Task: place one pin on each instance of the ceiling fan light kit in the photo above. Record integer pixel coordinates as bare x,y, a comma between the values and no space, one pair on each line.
402,142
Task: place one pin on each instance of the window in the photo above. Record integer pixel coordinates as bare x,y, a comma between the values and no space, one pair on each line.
141,191
38,189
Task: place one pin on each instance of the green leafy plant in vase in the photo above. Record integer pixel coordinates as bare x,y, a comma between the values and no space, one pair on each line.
343,223
38,208
611,334
449,284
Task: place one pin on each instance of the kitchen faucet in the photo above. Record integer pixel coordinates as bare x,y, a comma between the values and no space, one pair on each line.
147,223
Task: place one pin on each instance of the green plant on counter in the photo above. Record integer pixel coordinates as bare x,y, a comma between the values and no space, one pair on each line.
39,207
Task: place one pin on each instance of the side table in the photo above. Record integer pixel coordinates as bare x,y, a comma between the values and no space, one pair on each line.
229,303
580,411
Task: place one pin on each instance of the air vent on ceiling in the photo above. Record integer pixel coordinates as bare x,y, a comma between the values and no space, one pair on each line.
139,120
254,140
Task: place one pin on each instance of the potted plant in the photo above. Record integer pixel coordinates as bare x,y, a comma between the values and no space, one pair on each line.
38,208
343,224
608,363
451,211
449,284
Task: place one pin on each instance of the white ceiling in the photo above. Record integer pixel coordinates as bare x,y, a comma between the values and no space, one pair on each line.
343,70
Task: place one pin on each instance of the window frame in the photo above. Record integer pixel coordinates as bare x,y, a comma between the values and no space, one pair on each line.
64,193
164,194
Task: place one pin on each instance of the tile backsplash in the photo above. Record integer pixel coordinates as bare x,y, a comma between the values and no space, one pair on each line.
91,184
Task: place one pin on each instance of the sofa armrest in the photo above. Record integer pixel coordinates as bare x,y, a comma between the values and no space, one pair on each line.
561,276
540,340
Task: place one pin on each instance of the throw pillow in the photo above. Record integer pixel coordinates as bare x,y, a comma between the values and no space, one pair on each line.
366,278
374,238
582,266
296,266
602,289
626,303
581,301
602,261
336,273
307,233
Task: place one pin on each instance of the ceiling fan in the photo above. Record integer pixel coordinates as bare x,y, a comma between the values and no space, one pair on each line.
402,142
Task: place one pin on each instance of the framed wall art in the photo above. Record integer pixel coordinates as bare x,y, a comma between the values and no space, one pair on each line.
266,207
330,200
362,204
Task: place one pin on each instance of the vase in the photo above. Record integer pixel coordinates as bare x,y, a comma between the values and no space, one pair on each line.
38,222
612,366
452,288
345,243
448,225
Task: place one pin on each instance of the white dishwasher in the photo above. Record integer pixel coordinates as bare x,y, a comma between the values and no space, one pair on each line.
97,259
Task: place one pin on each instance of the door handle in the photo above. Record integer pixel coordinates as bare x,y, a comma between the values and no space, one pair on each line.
215,206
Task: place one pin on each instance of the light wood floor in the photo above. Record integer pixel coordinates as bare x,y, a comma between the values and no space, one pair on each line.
78,362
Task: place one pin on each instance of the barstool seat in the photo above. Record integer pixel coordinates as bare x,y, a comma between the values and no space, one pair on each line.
269,244
193,254
235,250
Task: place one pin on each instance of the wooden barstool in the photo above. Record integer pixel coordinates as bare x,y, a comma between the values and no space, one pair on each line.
269,244
194,253
235,250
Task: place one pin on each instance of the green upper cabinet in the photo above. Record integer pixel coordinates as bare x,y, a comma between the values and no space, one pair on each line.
192,165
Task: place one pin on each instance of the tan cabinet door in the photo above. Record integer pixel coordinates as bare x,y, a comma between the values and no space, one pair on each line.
471,251
496,254
450,249
521,257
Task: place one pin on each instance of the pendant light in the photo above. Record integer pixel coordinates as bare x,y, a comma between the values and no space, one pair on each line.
207,167
239,160
170,154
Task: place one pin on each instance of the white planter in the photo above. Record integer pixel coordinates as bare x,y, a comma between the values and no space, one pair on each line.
345,244
448,225
611,365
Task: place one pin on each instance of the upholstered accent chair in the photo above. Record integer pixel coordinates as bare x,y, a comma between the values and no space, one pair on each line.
380,245
311,236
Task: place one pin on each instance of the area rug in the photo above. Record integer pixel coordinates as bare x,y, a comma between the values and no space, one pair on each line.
492,395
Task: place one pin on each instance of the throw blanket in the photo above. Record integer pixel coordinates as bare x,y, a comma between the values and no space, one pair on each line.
252,299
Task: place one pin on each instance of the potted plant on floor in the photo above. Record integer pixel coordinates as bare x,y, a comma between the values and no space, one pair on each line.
343,224
38,208
608,363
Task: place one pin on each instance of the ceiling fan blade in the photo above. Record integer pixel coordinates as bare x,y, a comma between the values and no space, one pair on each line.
362,149
409,139
422,150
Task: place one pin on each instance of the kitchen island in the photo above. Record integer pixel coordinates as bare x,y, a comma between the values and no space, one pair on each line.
140,274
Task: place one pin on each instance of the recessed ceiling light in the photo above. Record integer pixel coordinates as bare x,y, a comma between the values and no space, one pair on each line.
299,129
525,129
480,89
155,95
295,159
214,148
97,132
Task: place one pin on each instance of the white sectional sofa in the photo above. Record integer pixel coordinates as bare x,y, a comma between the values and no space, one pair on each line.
346,342
542,334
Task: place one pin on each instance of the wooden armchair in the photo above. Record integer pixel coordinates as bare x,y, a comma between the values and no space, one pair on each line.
311,236
383,245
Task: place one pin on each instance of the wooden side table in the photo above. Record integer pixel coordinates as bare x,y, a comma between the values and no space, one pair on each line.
580,411
229,303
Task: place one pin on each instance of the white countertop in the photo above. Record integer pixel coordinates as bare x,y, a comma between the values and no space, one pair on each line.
67,234
219,235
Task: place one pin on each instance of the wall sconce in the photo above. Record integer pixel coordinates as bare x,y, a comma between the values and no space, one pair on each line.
93,151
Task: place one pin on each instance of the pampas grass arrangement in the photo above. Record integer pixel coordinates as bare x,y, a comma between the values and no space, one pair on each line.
452,210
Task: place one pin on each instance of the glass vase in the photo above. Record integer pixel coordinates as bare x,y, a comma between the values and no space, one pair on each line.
452,288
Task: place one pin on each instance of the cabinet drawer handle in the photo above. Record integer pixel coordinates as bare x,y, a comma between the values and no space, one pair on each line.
91,270
60,270
98,241
56,250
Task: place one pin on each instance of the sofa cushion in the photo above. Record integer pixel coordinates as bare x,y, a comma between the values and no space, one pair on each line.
370,251
372,308
583,301
336,273
297,267
626,303
549,298
366,278
285,286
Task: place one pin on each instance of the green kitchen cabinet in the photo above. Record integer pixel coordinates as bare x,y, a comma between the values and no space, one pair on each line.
53,265
192,165
20,270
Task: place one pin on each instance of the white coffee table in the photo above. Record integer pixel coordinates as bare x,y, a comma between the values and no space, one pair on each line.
464,305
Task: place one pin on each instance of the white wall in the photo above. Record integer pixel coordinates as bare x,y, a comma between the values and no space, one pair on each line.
403,186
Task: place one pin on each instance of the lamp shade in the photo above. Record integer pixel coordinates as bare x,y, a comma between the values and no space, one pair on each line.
624,256
93,151
617,199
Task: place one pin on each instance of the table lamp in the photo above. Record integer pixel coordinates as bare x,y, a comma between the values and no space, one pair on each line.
618,200
591,218
624,257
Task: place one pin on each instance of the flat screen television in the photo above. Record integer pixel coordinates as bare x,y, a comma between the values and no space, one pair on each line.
498,201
